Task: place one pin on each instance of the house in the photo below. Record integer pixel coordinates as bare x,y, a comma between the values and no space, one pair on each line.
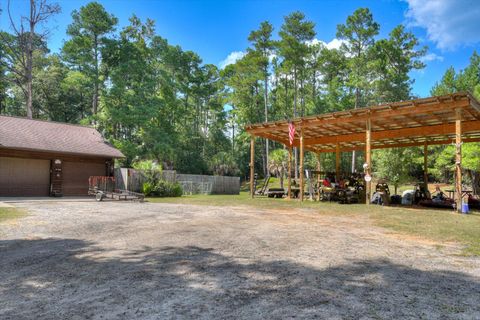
44,158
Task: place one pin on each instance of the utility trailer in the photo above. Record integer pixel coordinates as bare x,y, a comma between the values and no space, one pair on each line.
103,187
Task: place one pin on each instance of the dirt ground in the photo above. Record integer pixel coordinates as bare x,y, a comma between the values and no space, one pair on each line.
119,260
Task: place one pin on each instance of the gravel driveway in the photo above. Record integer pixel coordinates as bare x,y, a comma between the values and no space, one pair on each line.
120,260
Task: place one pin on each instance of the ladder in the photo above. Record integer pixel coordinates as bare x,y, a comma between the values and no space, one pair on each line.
263,189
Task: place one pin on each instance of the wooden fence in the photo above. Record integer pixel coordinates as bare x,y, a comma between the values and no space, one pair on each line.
131,179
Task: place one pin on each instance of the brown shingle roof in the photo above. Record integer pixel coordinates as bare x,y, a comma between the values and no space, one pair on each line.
38,135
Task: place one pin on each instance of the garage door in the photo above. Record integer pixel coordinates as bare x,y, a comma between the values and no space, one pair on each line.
24,177
76,174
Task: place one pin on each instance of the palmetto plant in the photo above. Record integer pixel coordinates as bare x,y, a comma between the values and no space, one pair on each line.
223,164
277,164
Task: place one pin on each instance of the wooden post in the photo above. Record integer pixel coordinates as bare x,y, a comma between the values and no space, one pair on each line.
319,178
127,178
368,160
289,173
301,164
252,166
319,167
425,165
337,163
458,159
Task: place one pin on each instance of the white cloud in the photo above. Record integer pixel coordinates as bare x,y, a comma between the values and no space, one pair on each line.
314,42
231,58
431,57
334,44
237,55
449,23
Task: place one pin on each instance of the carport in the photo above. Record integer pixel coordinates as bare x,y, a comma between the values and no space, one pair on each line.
453,118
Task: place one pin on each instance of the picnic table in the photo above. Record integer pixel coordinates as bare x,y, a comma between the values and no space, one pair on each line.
451,193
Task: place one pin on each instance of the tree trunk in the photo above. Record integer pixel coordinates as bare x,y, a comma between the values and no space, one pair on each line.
29,61
233,131
29,93
294,93
197,117
264,163
295,150
257,108
302,95
314,90
95,89
475,179
357,97
233,139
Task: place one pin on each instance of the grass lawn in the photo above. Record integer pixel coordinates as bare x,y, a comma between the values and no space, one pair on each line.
438,225
10,213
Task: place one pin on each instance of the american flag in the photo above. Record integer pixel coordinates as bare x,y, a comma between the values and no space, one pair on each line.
291,132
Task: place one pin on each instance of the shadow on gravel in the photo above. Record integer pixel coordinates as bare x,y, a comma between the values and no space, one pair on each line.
69,279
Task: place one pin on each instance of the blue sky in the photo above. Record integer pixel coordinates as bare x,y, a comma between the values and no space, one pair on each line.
216,29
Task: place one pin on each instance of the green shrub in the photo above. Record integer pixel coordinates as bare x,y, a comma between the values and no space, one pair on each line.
162,189
148,188
151,170
166,189
177,190
155,186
